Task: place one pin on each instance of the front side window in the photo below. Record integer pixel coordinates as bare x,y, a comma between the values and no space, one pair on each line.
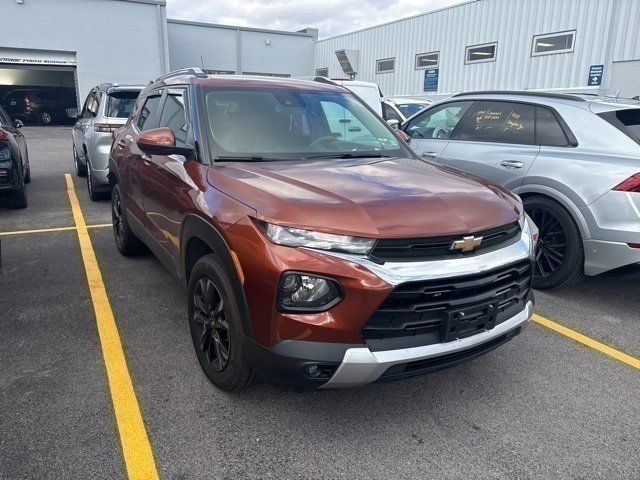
503,122
481,53
147,112
389,113
289,124
438,122
551,43
174,116
386,65
120,104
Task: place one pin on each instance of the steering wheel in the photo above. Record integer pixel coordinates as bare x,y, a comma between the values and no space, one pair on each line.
321,140
442,132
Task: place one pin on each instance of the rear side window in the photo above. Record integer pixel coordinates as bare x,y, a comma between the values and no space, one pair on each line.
174,117
501,122
147,113
120,104
627,121
549,132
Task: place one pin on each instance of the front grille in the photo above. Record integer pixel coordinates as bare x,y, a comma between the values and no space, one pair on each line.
435,311
416,249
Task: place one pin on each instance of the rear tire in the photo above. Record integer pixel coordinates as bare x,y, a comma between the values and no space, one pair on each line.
18,198
559,252
94,195
45,118
216,326
126,241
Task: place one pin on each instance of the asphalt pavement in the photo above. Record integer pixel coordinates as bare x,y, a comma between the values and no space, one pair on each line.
542,406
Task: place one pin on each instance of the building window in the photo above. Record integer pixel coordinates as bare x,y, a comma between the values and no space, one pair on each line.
427,60
481,53
386,65
322,72
550,43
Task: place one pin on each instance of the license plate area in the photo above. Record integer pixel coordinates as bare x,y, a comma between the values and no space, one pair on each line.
465,322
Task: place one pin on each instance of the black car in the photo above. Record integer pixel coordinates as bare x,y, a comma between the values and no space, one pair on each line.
14,161
44,106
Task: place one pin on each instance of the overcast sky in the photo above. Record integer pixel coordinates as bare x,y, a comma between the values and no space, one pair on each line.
332,17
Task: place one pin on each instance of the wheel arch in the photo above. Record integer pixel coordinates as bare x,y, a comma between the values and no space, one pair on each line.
527,191
200,238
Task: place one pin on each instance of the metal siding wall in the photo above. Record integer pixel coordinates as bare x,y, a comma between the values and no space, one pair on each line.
512,24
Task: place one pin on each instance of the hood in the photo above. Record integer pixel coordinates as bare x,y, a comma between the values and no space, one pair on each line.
389,198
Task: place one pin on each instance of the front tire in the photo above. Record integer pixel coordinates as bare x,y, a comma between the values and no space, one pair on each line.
126,241
559,252
81,170
18,198
216,326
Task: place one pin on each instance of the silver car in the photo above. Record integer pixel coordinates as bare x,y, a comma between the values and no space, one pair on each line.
574,160
106,109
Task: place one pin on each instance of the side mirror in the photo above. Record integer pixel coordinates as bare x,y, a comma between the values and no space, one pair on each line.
394,123
403,136
18,123
72,113
162,141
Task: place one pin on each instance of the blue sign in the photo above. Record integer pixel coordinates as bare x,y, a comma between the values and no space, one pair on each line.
431,79
595,75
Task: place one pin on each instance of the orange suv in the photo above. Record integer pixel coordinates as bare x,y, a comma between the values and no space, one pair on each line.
315,247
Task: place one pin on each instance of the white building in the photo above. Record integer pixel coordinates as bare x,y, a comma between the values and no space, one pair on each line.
78,44
497,44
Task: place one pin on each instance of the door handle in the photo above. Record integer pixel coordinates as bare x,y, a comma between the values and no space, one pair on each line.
429,154
121,143
512,164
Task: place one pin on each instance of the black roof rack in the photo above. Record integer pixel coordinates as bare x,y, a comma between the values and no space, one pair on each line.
558,96
193,72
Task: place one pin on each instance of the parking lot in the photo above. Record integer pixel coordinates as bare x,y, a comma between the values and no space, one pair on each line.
549,404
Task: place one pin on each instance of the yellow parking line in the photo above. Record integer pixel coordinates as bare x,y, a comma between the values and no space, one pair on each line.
589,342
136,448
48,230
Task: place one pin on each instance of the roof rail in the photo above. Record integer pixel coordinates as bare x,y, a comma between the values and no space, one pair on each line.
324,80
559,96
192,71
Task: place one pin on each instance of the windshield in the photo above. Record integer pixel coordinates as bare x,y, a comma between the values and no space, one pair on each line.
121,103
408,109
282,124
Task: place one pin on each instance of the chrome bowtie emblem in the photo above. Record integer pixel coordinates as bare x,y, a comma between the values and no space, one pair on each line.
467,244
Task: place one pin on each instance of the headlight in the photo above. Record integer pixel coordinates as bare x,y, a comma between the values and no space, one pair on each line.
528,227
297,237
5,157
303,292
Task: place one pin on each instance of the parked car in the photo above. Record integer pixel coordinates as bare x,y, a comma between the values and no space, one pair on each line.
105,110
40,105
310,258
409,106
15,171
574,160
370,94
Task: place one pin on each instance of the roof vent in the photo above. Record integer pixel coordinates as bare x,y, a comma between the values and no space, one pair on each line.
349,61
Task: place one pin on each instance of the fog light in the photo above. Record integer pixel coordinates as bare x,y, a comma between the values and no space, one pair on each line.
299,292
313,371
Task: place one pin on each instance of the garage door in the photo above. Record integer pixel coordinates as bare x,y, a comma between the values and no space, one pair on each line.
625,77
38,86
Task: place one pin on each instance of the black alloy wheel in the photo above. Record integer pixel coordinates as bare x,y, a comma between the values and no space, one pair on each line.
210,315
559,259
126,241
116,217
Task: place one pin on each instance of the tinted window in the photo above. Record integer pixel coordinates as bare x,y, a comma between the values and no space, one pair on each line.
627,121
174,117
4,118
120,104
503,122
147,112
438,122
408,109
548,130
388,113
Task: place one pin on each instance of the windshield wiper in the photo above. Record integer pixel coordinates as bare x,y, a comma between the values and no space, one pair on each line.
350,155
251,158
